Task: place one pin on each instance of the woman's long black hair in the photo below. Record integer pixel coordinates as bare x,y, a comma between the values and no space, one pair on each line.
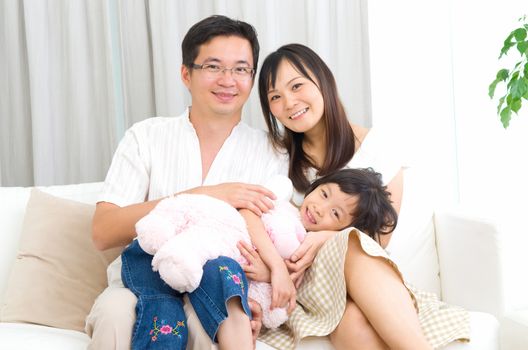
340,146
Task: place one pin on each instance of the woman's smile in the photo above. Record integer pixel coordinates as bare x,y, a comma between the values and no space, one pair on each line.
298,114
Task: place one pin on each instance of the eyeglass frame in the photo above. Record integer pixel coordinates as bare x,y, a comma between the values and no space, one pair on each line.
223,69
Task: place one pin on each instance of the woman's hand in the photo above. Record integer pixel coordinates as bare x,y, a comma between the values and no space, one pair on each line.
283,292
304,256
255,269
239,195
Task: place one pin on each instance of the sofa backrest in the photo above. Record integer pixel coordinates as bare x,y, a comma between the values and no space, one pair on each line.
413,243
12,208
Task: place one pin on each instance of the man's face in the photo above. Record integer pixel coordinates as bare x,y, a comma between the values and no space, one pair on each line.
223,93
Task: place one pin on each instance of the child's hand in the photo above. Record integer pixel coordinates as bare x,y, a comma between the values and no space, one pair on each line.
283,292
256,269
304,256
256,322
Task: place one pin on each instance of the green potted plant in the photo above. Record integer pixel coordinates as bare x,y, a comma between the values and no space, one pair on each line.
516,78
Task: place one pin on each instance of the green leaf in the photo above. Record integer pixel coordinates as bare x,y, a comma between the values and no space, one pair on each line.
518,88
507,45
501,102
526,69
505,117
519,34
522,47
513,79
502,75
491,89
516,105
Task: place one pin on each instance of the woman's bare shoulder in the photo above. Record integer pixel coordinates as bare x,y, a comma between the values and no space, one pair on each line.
359,131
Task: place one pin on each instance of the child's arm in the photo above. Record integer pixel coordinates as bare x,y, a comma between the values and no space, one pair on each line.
283,290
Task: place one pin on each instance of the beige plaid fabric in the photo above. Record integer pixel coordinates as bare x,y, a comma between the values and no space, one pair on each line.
322,297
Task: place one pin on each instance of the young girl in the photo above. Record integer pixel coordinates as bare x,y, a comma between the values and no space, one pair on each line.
372,309
350,197
346,198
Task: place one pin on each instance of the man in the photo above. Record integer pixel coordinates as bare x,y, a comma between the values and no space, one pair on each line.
205,150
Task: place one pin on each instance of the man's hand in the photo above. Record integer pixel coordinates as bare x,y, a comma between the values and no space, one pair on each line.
256,269
256,322
304,256
239,195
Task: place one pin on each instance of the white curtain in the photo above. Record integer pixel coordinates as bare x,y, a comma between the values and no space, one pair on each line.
78,73
57,106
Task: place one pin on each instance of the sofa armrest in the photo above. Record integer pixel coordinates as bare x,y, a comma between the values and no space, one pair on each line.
470,259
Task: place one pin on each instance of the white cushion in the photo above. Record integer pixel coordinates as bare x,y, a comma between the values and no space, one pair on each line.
309,343
12,209
484,334
515,330
20,336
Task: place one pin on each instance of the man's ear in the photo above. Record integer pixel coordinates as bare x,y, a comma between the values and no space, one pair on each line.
186,76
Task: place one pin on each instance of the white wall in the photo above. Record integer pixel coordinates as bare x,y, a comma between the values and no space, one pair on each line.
432,62
412,85
493,162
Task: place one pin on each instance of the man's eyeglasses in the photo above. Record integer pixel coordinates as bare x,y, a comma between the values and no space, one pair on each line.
239,73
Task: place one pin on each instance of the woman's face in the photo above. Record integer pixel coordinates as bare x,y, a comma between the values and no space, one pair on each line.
295,100
327,208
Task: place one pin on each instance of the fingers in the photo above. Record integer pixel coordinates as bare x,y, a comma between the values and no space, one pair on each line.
292,303
278,299
257,195
292,267
295,275
256,321
283,298
251,206
256,202
263,190
299,280
301,251
247,251
256,309
256,198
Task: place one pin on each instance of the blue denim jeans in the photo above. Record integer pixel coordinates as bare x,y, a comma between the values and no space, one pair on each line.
160,319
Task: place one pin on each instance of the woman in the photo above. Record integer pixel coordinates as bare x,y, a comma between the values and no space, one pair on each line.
357,310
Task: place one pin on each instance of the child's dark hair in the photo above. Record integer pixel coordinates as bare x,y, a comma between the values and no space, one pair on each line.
211,27
374,214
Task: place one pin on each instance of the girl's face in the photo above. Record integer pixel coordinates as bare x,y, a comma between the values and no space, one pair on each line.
327,208
295,100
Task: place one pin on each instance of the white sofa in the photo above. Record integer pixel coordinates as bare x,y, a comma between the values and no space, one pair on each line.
441,256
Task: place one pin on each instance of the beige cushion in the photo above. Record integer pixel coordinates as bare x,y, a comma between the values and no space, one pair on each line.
58,273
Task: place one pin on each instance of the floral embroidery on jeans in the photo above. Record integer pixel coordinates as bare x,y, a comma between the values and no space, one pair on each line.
165,329
235,278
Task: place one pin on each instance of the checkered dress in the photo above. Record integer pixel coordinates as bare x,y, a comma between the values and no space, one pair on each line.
322,297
